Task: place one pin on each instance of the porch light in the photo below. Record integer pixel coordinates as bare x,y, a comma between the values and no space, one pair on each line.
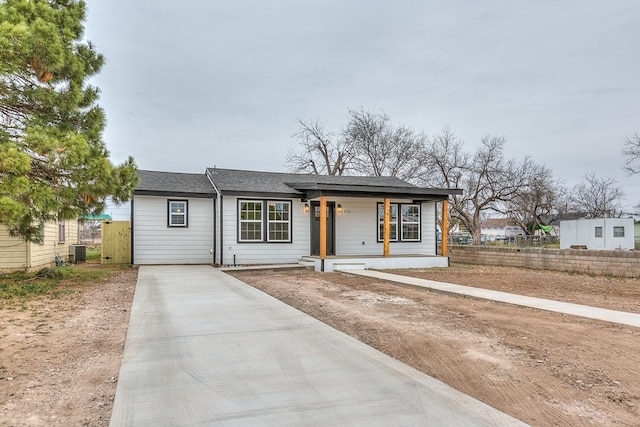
339,209
306,208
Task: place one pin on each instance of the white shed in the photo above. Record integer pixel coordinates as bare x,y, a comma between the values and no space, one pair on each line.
598,233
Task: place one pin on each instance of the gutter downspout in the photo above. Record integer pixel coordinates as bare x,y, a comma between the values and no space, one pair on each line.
215,222
132,231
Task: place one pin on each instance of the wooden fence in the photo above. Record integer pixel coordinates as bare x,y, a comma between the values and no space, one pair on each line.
116,242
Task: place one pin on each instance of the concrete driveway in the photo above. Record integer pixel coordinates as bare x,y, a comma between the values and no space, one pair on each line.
204,348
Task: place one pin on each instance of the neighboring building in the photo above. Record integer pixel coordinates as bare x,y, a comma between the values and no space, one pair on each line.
16,254
598,233
494,229
233,217
636,234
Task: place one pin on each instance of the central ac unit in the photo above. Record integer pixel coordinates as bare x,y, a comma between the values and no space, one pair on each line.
77,253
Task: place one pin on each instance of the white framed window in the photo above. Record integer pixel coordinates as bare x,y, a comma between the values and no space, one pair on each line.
393,222
618,231
404,222
598,232
250,221
177,215
264,221
410,220
279,221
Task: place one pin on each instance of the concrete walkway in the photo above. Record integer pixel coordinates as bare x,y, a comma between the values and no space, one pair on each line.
623,318
206,349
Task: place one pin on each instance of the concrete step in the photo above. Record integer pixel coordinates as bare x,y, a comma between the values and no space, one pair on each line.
345,266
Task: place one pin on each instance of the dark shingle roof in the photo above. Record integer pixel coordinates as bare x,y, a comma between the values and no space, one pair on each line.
232,180
278,184
156,182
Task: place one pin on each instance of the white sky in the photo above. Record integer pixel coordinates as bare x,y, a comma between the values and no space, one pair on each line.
193,84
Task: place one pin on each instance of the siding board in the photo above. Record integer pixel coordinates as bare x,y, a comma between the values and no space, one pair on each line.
155,243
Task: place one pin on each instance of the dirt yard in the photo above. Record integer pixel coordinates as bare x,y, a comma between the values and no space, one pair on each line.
60,357
540,367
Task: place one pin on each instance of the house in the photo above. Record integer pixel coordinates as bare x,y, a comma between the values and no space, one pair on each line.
239,217
494,229
598,233
16,254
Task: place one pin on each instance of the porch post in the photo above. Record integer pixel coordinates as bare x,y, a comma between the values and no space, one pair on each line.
323,227
386,227
445,227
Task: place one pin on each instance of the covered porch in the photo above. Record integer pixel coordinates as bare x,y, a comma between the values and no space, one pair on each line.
399,208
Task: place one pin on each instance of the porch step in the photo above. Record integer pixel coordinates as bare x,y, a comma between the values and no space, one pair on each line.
345,266
306,262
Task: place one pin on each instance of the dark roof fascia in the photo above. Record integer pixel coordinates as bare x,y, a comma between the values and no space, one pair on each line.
173,194
263,195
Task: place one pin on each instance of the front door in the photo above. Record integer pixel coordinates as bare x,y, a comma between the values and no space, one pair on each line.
315,228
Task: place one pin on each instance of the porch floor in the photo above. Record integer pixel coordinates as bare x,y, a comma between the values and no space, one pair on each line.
376,262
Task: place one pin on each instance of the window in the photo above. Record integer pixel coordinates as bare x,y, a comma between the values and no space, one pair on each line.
178,213
598,231
264,220
408,222
393,222
618,231
61,232
278,221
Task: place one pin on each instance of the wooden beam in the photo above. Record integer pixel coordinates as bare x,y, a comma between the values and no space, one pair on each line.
323,227
445,227
386,227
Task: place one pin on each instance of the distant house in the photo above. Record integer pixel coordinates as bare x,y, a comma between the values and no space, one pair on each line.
238,217
16,254
496,229
598,233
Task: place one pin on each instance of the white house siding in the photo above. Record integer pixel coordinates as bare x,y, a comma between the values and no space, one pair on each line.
263,253
357,225
582,232
156,243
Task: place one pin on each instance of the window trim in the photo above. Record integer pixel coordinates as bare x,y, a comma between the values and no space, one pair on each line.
62,232
252,221
264,221
399,223
269,221
598,232
170,224
618,228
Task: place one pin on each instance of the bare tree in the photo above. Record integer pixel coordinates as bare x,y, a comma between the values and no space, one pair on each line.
632,152
597,197
488,179
323,153
539,202
380,148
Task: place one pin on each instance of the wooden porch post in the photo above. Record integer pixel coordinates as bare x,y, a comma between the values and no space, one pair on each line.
386,227
445,227
323,227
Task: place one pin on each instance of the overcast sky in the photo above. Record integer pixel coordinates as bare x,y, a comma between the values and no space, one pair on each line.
193,84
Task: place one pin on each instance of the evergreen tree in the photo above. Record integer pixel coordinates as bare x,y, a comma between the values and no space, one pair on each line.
53,163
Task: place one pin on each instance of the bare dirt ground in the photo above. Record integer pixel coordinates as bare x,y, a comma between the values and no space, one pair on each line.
60,357
542,368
